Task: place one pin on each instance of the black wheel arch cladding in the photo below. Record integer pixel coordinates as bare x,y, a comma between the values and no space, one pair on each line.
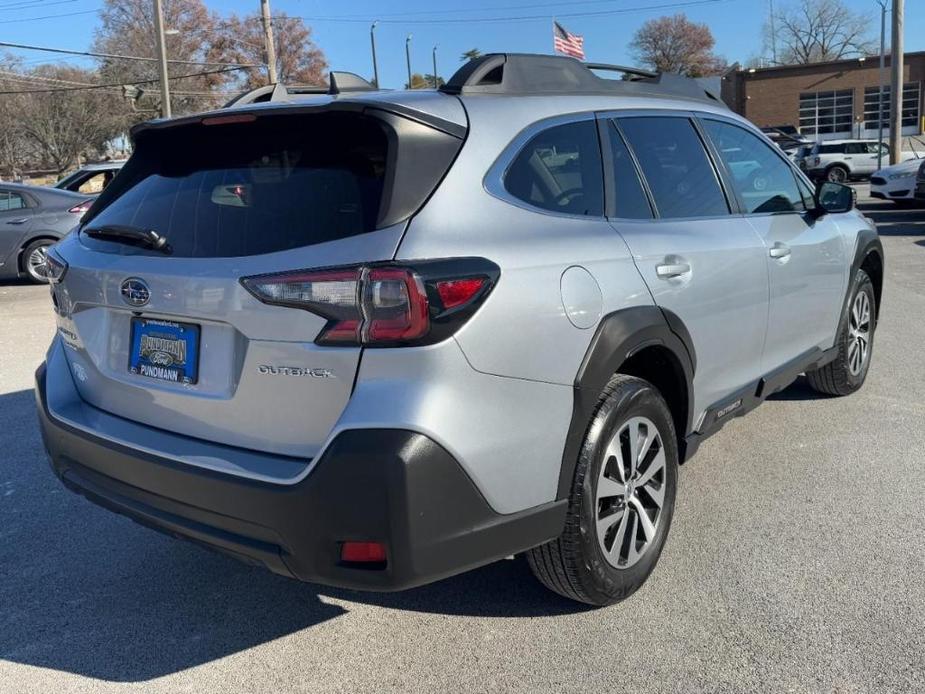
621,336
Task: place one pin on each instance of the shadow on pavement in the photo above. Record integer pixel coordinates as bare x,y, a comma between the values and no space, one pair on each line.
896,221
85,591
798,390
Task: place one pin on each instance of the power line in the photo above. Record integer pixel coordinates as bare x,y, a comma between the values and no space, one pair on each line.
111,56
518,18
496,8
47,16
29,4
120,84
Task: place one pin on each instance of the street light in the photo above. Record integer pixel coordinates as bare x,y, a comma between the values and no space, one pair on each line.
435,66
408,58
372,42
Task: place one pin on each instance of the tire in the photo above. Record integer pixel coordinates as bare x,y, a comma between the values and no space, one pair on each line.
578,564
34,270
837,174
846,373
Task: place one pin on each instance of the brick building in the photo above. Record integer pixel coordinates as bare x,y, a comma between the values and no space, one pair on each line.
827,100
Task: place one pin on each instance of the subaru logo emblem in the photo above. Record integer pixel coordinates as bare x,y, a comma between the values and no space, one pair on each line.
135,292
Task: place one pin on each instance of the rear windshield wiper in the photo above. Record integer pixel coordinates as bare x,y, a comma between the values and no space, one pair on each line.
132,235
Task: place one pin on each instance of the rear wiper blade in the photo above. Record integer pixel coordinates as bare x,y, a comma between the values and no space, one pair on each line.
133,235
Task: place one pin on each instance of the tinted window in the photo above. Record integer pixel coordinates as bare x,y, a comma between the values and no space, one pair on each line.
856,148
762,180
243,189
831,149
560,170
629,199
676,167
11,201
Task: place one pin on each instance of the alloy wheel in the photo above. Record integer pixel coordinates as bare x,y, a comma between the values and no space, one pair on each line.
859,333
630,492
37,263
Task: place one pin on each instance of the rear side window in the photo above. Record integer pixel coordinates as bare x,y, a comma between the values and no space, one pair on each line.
272,184
675,165
763,181
560,170
11,201
629,199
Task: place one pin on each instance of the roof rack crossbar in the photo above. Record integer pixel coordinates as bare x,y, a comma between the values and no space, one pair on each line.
635,71
524,73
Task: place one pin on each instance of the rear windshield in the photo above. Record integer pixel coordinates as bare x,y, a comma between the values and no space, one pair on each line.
256,187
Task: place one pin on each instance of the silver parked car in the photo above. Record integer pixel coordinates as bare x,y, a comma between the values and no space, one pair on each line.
32,218
373,339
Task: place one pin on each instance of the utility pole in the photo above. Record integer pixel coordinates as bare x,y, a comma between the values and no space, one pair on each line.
268,40
773,32
372,42
162,59
408,58
435,67
882,4
896,83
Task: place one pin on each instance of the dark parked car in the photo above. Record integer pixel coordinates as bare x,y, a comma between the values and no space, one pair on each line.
31,219
91,179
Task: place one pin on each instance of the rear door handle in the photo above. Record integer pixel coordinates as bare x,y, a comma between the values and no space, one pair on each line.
667,271
779,250
21,220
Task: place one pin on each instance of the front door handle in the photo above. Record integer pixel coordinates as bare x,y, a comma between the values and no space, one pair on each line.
779,250
21,220
667,271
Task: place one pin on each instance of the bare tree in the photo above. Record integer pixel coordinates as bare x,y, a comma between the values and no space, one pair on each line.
127,28
812,31
298,58
57,127
676,44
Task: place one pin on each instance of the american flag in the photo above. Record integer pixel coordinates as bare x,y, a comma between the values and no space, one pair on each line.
566,42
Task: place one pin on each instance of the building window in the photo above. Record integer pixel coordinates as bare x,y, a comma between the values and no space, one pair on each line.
827,113
910,115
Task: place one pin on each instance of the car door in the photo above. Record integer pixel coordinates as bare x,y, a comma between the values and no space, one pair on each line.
699,261
804,252
15,220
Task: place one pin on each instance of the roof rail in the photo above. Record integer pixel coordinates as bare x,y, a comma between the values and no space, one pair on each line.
525,73
340,82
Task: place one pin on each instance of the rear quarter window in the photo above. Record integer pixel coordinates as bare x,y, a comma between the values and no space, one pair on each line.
560,170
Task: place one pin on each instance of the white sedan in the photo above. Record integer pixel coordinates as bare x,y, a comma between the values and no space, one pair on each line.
896,182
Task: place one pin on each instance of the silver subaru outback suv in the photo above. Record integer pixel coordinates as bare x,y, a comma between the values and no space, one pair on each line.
373,339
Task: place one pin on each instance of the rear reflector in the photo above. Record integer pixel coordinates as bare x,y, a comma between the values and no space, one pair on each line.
363,552
455,293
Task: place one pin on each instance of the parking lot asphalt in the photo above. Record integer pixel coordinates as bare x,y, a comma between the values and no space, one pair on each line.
796,562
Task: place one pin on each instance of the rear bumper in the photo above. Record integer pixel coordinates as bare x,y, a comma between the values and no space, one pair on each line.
384,485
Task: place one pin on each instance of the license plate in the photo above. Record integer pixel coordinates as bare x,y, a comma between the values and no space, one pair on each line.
164,350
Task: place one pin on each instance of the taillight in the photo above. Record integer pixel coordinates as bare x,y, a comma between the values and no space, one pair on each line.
383,305
55,267
81,208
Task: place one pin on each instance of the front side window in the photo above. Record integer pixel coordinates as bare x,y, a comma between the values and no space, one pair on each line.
762,180
675,165
560,170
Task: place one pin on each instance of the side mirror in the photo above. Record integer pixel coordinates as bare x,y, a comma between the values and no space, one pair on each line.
835,197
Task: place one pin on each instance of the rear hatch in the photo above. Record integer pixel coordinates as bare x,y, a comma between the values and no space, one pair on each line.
166,334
